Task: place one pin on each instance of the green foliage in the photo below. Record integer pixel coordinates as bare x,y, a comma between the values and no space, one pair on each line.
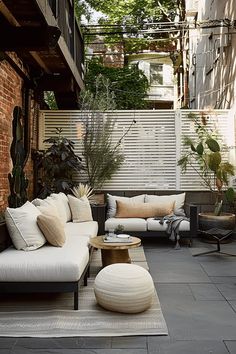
128,85
119,229
136,45
133,11
58,163
205,157
213,145
49,98
102,155
17,181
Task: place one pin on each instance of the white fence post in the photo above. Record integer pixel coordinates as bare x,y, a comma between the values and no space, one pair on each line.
178,134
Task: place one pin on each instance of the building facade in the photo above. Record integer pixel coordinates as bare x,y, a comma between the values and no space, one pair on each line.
158,68
212,47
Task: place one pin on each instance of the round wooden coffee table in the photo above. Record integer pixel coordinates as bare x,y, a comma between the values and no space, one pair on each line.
114,252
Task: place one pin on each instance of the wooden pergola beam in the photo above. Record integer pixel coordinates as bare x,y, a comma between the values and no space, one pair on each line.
59,83
29,38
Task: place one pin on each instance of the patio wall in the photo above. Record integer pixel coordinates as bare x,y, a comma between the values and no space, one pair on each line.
11,86
151,148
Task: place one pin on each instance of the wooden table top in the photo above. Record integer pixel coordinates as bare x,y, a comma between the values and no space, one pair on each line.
98,242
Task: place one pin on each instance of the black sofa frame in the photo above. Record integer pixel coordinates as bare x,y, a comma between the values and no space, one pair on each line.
40,287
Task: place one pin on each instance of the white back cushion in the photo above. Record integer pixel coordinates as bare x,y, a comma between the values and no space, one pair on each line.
111,199
22,227
62,205
80,209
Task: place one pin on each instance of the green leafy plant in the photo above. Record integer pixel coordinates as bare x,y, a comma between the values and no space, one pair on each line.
102,155
128,85
206,156
58,163
119,229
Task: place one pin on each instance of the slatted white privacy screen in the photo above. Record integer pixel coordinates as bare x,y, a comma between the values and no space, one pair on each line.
151,148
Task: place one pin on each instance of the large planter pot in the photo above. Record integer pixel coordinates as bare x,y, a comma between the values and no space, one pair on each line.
208,221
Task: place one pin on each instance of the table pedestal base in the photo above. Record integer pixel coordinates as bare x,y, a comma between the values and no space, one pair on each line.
115,256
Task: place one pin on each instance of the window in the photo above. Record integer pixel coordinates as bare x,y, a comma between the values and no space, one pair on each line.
156,74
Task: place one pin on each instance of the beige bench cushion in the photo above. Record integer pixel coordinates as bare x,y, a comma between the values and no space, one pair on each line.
130,224
86,228
154,225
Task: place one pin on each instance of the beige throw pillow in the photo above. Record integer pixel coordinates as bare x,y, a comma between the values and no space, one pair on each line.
179,200
111,200
52,228
143,210
80,209
48,209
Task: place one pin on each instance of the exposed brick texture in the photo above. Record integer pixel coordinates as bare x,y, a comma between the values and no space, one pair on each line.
11,95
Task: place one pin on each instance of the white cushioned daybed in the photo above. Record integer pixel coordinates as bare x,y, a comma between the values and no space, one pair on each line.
50,245
149,215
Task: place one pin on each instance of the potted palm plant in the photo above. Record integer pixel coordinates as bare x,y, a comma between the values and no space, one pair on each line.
102,155
207,156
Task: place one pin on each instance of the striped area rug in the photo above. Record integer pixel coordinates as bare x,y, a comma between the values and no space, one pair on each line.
51,315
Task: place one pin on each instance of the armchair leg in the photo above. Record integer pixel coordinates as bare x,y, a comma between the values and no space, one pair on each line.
86,279
76,300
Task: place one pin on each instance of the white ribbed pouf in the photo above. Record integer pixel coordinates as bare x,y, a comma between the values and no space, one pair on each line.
123,287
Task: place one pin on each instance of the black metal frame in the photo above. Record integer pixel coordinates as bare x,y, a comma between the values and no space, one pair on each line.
41,287
218,238
47,287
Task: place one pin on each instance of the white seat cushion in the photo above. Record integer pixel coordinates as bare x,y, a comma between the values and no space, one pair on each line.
130,224
47,264
86,228
154,225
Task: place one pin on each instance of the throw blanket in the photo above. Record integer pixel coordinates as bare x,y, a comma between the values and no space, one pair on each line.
173,224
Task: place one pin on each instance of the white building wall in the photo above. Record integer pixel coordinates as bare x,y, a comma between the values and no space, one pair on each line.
212,51
157,92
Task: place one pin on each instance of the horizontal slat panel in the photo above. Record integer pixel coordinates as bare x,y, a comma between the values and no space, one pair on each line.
150,148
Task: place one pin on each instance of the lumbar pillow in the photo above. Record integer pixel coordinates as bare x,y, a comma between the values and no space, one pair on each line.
52,229
111,199
22,227
80,209
179,200
143,210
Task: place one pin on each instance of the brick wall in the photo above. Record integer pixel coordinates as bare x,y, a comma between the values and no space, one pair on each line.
11,95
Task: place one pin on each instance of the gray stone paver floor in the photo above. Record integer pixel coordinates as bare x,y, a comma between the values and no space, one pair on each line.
198,299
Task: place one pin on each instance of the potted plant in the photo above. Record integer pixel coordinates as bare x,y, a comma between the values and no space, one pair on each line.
56,165
119,229
103,156
83,190
206,155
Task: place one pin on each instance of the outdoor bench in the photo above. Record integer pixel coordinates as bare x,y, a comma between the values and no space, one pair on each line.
136,225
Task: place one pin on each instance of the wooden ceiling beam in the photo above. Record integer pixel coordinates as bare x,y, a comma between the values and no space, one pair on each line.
56,83
29,38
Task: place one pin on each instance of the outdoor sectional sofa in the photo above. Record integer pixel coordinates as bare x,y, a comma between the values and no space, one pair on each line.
47,268
144,226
